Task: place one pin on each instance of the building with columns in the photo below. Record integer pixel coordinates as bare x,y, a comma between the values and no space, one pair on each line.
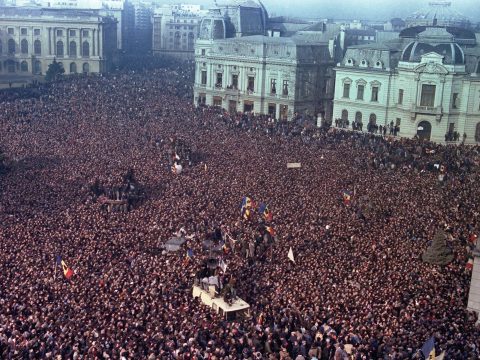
239,68
30,38
426,82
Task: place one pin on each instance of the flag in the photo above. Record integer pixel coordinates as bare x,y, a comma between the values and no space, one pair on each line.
66,270
246,202
189,253
265,211
347,196
225,247
428,349
262,207
58,260
246,214
223,266
290,254
270,230
441,356
473,238
469,264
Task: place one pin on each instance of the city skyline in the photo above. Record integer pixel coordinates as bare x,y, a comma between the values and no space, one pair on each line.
350,9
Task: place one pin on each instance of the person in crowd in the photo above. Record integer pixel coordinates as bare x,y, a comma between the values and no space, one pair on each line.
358,288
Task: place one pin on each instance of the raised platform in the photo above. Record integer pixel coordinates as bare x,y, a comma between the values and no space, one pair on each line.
229,312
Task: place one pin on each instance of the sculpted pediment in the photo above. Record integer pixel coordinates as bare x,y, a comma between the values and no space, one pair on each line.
431,68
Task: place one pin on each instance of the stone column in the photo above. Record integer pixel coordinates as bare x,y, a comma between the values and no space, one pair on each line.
50,41
100,41
93,42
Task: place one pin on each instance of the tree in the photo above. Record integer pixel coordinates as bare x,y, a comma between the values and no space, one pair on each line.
55,71
438,252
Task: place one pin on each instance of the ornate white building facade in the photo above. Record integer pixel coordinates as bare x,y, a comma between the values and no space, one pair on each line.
426,83
30,38
238,68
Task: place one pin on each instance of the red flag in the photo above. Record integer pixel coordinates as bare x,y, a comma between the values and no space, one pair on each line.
473,238
469,265
67,271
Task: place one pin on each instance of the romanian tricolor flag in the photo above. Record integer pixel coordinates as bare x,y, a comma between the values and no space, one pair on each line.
66,270
265,211
347,197
428,349
270,230
246,213
247,204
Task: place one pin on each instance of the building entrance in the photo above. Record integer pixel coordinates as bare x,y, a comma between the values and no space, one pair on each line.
424,130
247,106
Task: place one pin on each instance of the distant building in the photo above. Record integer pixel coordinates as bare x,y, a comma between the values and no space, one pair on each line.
395,24
143,28
438,13
30,38
274,75
426,83
175,30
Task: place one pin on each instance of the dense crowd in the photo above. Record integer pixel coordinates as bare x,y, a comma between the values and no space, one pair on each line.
357,286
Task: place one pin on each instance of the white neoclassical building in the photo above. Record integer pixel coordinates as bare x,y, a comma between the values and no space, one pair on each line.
238,68
30,38
426,83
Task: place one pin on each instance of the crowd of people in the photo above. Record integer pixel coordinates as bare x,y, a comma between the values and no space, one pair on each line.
357,288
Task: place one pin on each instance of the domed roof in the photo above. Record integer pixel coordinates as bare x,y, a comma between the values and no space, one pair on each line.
437,13
212,26
434,39
452,53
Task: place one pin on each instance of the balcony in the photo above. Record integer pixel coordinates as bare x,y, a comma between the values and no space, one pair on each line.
436,111
231,90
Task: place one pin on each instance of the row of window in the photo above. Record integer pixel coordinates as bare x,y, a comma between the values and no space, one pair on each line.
37,32
273,87
360,92
250,83
12,67
177,27
37,47
427,98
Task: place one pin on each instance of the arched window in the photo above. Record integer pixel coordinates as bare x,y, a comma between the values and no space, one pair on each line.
1,47
37,67
191,41
24,46
72,50
358,117
24,66
176,41
372,120
85,68
85,49
10,65
73,68
11,46
37,47
478,68
344,115
477,133
60,48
